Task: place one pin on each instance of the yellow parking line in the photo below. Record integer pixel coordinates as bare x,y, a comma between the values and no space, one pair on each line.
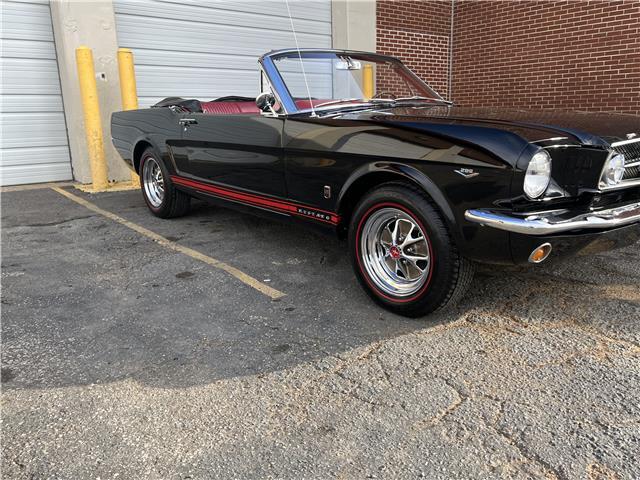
243,277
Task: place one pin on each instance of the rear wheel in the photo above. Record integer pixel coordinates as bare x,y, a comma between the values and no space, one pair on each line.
402,252
159,193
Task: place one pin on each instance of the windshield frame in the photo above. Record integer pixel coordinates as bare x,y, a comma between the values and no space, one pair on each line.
286,100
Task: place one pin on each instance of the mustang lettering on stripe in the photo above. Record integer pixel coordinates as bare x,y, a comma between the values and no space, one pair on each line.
259,200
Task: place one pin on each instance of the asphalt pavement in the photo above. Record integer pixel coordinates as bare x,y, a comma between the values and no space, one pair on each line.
124,358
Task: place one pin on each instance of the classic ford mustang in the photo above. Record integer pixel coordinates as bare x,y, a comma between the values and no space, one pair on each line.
356,143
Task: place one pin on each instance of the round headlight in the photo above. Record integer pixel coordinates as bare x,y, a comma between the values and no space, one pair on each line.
538,175
613,171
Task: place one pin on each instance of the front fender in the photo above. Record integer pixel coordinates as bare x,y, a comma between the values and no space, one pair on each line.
402,172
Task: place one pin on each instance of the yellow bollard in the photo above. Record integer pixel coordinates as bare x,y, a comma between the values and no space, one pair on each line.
367,81
128,90
92,122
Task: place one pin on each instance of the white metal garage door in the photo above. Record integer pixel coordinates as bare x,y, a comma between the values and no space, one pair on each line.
204,50
34,146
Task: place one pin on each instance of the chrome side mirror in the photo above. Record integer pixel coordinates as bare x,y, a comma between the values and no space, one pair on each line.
265,102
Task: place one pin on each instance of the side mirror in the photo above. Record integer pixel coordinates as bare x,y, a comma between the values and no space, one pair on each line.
265,102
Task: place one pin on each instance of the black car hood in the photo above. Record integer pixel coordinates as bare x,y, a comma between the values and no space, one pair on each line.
598,129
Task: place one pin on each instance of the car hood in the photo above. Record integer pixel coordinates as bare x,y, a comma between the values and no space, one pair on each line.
598,129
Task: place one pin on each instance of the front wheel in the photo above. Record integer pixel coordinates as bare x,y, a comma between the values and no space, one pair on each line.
402,252
159,193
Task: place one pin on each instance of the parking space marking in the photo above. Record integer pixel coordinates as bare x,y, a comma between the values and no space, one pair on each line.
240,275
34,186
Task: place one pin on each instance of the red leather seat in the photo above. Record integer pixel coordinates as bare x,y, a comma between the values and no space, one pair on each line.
247,108
229,108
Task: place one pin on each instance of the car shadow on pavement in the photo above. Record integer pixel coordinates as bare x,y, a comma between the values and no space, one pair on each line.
87,301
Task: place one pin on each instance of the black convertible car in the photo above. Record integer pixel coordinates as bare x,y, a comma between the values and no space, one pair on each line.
356,143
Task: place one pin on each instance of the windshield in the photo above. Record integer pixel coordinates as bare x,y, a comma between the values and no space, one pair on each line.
334,80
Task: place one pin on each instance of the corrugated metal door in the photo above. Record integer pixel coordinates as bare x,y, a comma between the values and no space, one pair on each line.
204,50
34,145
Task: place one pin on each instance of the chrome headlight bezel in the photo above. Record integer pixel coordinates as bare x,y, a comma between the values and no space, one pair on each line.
612,171
538,175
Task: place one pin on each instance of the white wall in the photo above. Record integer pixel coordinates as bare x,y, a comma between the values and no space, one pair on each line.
354,24
207,49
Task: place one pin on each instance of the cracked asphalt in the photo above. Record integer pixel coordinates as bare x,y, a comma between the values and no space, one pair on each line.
124,359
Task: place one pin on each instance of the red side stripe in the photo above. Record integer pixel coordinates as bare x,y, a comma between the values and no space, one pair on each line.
256,200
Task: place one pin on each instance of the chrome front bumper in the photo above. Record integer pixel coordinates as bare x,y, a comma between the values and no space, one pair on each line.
549,223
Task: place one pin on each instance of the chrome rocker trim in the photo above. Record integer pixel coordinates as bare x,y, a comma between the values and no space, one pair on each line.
550,222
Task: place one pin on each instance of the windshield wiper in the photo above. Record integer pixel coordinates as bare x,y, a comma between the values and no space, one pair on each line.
335,102
394,101
372,102
418,97
378,101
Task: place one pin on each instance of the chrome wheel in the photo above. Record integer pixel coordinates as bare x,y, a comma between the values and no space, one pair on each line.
153,182
395,252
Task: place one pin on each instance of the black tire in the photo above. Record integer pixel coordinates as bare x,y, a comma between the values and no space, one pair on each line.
445,277
174,203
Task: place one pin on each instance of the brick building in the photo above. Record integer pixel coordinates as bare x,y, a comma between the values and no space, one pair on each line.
576,55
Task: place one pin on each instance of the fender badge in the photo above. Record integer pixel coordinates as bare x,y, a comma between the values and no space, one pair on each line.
467,172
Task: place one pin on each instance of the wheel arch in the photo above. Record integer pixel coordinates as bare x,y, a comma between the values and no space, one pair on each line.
139,148
369,176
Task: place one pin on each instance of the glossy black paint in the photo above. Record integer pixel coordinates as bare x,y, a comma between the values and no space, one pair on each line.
217,149
298,158
577,244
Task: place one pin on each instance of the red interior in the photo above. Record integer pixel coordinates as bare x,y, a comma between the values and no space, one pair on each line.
229,108
247,108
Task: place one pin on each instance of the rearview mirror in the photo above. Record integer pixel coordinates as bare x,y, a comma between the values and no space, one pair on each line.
265,102
348,65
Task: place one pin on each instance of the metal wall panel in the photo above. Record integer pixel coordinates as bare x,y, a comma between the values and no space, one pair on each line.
204,50
33,135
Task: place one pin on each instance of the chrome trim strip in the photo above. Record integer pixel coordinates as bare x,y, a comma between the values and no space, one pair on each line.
625,142
536,224
563,146
622,184
277,85
273,90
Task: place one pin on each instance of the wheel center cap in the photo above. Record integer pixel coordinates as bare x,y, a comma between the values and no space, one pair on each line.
394,252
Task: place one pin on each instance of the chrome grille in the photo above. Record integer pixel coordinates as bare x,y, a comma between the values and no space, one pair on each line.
631,151
631,172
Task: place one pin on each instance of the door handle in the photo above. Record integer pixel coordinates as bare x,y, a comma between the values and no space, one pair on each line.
187,121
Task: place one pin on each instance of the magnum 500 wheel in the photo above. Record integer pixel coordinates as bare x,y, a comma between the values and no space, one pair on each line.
161,196
403,254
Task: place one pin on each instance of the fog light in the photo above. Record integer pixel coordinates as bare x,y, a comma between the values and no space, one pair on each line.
540,254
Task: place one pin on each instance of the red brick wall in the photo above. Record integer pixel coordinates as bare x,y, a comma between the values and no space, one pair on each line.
576,55
418,33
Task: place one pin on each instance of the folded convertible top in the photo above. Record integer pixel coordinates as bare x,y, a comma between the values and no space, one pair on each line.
188,105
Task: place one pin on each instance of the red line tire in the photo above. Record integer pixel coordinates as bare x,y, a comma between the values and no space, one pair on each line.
171,202
437,279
